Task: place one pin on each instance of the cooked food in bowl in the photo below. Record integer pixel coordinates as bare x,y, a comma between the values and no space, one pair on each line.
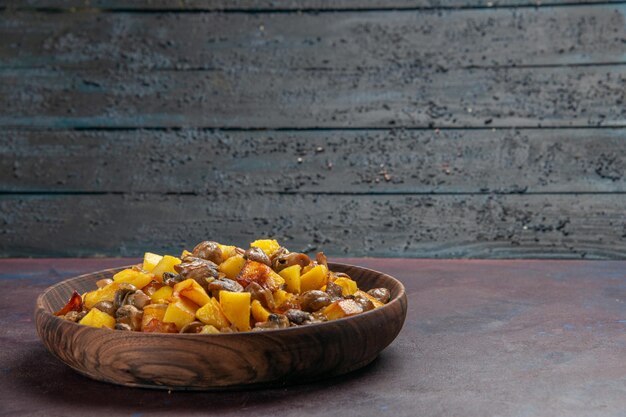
222,289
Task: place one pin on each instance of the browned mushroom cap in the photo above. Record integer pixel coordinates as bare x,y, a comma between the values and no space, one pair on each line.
197,269
223,284
333,290
105,307
381,294
129,315
281,251
320,258
208,250
193,327
314,300
171,279
121,293
264,296
364,302
257,254
298,317
294,258
123,326
72,316
138,299
274,321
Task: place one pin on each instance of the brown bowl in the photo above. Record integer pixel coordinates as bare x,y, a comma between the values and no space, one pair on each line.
221,361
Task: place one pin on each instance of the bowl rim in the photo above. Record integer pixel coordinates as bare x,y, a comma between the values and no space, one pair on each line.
399,298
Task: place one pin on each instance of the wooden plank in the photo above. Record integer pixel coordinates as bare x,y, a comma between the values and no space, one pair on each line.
522,97
387,161
238,43
522,226
253,5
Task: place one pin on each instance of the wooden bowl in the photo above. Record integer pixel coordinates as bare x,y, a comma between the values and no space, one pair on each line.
221,361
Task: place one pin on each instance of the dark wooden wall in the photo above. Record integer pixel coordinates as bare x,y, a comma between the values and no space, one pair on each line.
422,128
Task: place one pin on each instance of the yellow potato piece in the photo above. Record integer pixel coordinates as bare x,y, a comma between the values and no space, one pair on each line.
342,308
106,293
291,275
136,278
259,313
348,286
211,314
166,265
180,312
232,266
227,251
97,318
314,279
268,246
280,296
150,260
190,289
153,311
208,329
236,307
162,295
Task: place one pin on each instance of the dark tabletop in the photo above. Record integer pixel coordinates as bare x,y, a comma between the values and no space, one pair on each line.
481,338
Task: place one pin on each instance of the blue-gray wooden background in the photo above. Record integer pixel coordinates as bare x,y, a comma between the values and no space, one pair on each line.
417,128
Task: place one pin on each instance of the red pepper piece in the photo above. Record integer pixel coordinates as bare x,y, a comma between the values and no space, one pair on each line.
74,304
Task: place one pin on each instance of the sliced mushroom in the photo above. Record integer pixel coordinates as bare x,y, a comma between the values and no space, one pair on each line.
106,307
281,251
334,290
263,295
121,293
294,258
123,326
320,258
129,315
138,299
298,317
171,279
73,316
223,284
364,302
274,321
314,300
193,327
381,294
197,269
257,254
208,250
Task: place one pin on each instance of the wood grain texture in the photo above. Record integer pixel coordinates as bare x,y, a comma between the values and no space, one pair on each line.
239,360
581,96
525,226
242,43
253,5
364,161
315,79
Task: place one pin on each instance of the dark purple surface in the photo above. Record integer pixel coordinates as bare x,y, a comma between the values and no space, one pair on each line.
481,338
